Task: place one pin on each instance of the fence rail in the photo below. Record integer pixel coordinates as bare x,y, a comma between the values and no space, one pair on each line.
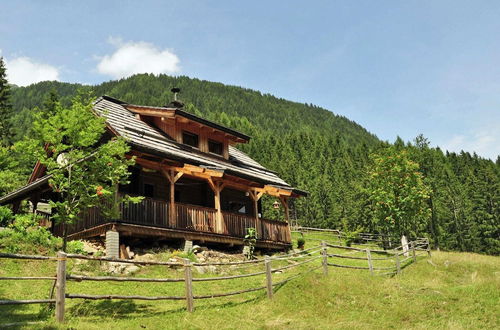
307,257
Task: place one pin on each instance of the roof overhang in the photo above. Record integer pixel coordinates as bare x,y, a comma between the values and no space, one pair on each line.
173,113
25,191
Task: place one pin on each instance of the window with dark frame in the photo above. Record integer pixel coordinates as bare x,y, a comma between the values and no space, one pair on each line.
190,139
215,147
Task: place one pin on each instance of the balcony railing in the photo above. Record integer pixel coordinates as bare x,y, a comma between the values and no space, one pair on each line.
154,212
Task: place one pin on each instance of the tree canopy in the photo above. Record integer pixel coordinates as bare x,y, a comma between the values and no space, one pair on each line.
317,151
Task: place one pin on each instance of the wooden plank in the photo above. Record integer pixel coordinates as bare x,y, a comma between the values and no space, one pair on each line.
110,296
25,302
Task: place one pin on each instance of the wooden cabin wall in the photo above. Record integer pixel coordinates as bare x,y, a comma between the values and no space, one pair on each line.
174,130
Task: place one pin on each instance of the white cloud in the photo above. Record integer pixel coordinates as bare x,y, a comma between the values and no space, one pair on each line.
137,57
485,143
24,71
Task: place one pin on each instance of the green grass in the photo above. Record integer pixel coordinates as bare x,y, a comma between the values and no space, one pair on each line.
449,291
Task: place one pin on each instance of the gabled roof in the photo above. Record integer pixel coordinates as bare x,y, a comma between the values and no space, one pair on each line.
159,111
146,138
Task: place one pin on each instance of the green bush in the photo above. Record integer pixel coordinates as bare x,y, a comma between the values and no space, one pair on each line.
24,235
301,242
6,216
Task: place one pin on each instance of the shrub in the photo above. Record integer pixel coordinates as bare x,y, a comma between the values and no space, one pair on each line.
301,242
24,235
250,241
6,216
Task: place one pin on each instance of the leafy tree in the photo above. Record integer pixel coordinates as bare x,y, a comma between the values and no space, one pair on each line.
310,147
398,193
85,169
5,106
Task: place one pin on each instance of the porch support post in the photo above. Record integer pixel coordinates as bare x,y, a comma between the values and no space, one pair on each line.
217,188
172,177
284,202
255,196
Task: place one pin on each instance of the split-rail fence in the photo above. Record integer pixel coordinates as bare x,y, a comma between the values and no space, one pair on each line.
329,254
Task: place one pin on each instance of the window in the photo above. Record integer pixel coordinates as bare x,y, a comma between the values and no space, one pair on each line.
190,139
215,147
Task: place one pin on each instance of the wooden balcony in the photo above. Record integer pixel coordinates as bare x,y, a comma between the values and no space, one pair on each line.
188,218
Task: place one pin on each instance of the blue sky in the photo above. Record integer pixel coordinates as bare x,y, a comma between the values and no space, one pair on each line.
395,67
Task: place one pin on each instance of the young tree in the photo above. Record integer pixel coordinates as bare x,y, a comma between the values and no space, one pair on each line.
5,106
85,166
398,193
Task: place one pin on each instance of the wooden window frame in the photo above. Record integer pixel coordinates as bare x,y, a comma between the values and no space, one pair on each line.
221,144
184,132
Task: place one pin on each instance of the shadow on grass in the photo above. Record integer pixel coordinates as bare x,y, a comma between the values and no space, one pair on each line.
128,309
17,316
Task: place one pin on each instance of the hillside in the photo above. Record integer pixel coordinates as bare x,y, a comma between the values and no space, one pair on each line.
449,290
314,150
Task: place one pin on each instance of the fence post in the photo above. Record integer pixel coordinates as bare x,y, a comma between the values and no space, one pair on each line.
60,285
369,258
428,246
398,265
269,278
413,251
324,261
188,279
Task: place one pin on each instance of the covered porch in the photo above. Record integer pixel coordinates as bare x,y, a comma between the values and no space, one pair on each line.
201,204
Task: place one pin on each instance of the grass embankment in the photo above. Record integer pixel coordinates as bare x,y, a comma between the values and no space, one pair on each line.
450,290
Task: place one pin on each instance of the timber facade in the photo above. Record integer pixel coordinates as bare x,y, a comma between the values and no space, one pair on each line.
196,184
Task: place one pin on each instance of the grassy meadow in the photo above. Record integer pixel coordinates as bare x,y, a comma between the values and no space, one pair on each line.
448,291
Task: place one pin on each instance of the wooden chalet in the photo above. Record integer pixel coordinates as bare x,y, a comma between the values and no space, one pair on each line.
197,185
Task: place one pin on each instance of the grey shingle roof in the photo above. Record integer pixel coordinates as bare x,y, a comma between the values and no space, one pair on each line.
141,135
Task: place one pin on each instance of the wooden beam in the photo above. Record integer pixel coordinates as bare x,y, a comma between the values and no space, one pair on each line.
284,202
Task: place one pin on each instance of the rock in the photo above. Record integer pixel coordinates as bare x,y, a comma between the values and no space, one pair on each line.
130,269
196,248
89,247
200,269
145,257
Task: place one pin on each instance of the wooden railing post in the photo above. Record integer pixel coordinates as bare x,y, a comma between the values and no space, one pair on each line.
188,280
369,258
413,251
60,285
398,264
269,278
428,246
324,260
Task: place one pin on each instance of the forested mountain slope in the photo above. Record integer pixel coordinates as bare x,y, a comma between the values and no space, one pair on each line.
318,151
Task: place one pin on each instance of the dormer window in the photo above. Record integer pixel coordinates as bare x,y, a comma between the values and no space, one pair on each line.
215,147
190,139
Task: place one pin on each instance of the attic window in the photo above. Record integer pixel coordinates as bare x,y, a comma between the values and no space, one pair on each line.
190,139
215,147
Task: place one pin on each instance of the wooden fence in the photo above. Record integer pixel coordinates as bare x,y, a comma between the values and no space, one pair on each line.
401,258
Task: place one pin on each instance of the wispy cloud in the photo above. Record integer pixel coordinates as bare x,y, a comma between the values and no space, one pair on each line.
24,71
485,142
137,57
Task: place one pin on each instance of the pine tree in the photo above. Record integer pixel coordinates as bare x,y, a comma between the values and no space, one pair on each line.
5,106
